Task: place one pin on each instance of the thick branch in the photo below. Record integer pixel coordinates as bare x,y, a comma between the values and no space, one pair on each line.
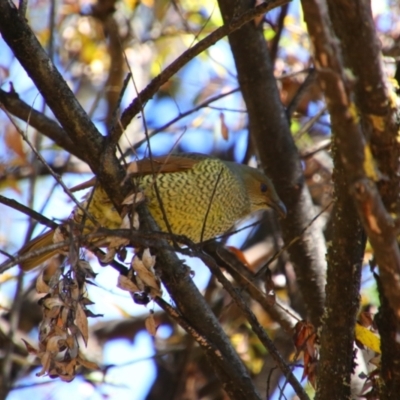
62,101
48,127
258,330
152,88
355,155
271,136
353,24
49,81
345,256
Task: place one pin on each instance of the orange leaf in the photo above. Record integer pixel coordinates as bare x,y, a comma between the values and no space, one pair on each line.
224,128
30,348
239,255
150,324
13,141
305,340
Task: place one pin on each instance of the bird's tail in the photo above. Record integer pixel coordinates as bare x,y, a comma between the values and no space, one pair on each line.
41,241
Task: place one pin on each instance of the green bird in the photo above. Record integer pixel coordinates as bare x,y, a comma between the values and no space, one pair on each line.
202,197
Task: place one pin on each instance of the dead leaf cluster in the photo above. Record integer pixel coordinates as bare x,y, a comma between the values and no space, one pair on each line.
141,277
64,322
306,341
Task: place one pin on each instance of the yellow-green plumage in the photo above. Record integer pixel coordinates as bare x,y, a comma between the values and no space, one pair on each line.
208,200
202,196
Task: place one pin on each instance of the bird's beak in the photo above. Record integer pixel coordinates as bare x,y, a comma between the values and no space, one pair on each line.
280,208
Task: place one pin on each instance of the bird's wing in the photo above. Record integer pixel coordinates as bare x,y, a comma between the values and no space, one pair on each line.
43,240
84,185
146,166
164,164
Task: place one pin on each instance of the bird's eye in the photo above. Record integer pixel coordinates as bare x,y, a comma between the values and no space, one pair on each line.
263,187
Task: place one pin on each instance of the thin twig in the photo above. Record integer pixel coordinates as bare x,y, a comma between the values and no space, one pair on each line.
146,132
294,240
28,211
114,117
308,125
323,145
181,116
153,87
258,329
52,173
310,79
278,33
210,204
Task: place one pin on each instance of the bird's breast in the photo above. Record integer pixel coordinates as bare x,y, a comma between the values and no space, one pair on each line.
200,203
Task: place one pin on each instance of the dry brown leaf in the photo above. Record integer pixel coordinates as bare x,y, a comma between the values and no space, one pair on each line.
305,340
72,344
41,285
86,363
53,282
146,276
54,344
126,222
109,256
58,235
86,268
82,322
125,283
45,360
85,301
224,127
52,312
135,221
66,370
13,141
75,291
51,302
116,242
30,348
148,260
150,324
365,319
133,168
64,315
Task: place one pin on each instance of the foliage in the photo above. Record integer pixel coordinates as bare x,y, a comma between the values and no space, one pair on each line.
305,107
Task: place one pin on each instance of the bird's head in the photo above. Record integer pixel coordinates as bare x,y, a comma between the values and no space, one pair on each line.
260,189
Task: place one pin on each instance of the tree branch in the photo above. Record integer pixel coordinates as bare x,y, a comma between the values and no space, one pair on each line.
271,136
18,35
82,132
151,89
48,127
354,152
345,257
258,329
190,303
248,282
354,25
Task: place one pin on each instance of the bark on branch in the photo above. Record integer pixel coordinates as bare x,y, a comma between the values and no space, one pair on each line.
271,137
355,152
14,105
100,155
152,88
